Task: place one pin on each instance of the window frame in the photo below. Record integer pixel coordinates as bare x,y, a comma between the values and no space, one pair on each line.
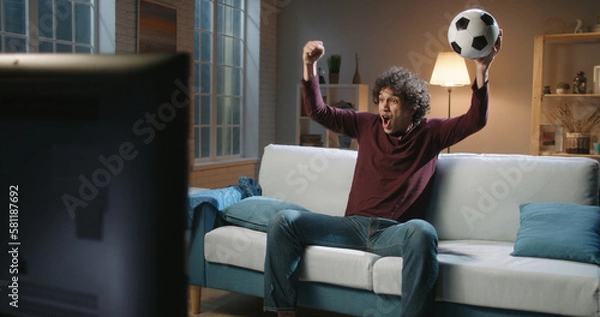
214,95
32,29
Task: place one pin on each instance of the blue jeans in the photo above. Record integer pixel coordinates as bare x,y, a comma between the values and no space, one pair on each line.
291,230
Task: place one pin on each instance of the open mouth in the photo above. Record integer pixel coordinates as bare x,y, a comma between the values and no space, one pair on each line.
385,120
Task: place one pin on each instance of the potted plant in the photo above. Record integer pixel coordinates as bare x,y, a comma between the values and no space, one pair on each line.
334,63
562,88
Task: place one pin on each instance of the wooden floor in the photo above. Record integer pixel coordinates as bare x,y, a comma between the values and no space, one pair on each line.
217,303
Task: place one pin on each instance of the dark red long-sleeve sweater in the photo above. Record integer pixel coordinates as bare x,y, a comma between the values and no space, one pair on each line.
392,174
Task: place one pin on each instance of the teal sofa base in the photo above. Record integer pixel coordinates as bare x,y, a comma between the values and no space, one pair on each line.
339,299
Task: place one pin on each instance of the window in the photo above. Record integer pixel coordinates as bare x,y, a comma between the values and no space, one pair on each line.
12,26
47,26
219,79
65,26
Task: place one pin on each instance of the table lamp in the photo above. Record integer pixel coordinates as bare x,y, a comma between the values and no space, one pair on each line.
450,70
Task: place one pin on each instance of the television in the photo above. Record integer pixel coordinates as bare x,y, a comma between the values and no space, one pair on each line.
93,174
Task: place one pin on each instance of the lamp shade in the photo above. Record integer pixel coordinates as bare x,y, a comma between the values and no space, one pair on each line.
450,70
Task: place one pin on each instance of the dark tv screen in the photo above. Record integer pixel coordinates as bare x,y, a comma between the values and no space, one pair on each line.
93,175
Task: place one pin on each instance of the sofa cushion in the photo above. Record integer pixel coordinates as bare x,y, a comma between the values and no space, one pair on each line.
237,246
559,231
387,275
256,212
482,273
477,196
343,267
315,177
245,248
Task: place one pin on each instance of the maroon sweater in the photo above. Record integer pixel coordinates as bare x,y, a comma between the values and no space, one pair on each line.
392,174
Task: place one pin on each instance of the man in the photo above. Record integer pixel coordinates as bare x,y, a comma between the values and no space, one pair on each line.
398,150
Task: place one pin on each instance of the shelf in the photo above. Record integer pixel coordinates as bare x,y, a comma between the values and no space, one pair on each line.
593,156
578,51
573,36
340,86
355,94
571,95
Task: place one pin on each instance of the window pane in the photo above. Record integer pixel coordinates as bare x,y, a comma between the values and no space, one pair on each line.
45,19
203,51
205,115
206,142
230,51
197,111
219,141
228,111
206,47
196,145
197,15
230,21
234,3
236,111
83,24
46,47
83,49
206,15
206,79
14,15
197,74
227,141
235,141
62,48
15,45
197,45
221,112
229,81
64,23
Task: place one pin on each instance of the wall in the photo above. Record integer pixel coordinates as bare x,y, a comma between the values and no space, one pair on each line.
126,26
223,174
391,32
268,72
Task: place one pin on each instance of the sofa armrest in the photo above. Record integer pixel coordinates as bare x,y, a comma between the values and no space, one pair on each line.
203,216
205,219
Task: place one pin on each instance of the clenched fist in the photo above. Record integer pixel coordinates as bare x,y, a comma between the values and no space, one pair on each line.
312,52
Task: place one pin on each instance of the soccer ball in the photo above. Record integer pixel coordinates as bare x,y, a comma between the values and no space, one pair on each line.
473,33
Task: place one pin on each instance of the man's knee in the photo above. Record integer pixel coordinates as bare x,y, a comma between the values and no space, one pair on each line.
422,232
284,218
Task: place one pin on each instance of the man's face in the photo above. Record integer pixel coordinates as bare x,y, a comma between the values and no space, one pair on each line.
395,117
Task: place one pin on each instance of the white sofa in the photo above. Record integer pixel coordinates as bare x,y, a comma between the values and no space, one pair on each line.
475,209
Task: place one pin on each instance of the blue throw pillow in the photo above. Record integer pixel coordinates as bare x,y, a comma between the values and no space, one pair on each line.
559,231
255,212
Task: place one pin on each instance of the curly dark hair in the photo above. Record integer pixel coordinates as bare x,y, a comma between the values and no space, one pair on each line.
412,90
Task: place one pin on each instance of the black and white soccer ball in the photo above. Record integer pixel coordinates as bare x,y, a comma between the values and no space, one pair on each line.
472,33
